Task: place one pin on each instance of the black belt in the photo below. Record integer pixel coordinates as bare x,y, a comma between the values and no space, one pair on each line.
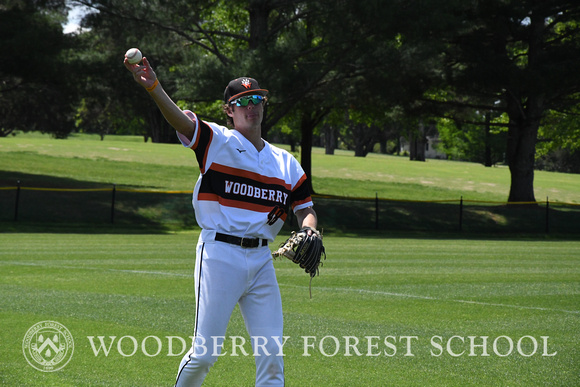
243,242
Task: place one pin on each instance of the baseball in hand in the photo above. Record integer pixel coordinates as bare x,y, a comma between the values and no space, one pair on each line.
133,55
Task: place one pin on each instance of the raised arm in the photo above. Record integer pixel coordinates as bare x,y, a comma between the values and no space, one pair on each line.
146,77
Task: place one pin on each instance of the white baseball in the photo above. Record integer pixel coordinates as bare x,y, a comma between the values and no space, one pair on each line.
133,55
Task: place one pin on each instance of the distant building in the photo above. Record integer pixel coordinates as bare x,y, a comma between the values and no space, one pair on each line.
422,144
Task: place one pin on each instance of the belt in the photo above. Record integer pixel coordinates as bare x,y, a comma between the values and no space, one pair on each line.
243,242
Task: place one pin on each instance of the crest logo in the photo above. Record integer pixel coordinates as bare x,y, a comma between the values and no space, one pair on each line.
246,83
48,346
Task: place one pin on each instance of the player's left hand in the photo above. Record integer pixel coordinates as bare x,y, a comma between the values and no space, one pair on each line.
304,248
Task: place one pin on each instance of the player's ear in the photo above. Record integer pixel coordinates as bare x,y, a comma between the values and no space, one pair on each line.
229,110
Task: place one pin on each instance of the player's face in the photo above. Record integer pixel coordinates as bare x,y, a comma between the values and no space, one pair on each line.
247,117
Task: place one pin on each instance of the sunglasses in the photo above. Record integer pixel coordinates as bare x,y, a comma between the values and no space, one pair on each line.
244,101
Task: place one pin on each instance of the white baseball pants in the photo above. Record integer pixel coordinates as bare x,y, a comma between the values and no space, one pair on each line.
226,275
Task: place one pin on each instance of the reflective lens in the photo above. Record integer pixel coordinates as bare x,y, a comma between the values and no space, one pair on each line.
244,101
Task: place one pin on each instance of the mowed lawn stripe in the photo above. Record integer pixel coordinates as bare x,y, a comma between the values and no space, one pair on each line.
433,289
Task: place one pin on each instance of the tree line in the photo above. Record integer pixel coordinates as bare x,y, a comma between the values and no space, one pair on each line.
499,79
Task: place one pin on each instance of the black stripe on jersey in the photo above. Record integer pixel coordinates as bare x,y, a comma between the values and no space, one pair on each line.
205,136
244,190
301,192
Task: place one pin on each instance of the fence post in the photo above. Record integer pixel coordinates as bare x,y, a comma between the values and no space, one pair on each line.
547,215
461,214
376,210
113,204
16,204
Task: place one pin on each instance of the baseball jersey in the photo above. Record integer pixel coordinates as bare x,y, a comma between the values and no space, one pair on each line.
241,191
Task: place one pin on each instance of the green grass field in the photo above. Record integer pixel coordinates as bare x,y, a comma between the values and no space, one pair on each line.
425,292
126,161
385,310
85,162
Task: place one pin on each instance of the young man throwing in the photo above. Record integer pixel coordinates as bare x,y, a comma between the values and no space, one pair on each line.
243,195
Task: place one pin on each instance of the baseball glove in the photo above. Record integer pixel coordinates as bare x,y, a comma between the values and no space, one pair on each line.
305,249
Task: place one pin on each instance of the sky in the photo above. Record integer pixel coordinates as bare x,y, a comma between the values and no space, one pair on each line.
74,19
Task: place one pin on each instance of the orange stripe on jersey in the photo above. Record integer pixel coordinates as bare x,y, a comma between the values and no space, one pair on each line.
209,197
203,161
251,175
238,204
301,181
301,193
203,138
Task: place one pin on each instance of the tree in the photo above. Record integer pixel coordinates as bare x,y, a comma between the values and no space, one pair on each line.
518,58
37,82
559,142
300,49
479,142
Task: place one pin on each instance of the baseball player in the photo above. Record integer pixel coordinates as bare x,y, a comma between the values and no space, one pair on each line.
243,195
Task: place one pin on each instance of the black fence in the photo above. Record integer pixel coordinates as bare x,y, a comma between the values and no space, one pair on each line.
459,215
161,209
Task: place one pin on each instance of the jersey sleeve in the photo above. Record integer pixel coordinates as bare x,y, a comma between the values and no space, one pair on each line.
204,136
300,196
